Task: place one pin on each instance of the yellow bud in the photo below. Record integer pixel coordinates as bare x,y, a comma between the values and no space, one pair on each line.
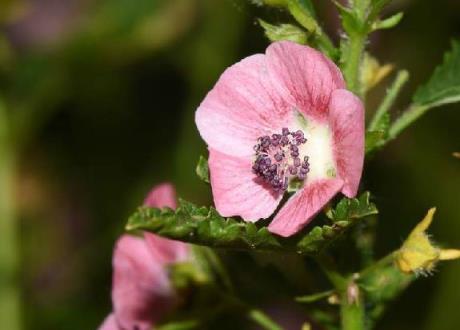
456,154
372,72
306,326
418,254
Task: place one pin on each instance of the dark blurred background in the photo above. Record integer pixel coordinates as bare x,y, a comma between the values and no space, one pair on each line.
103,95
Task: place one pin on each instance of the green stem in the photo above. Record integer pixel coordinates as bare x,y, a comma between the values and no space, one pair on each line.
389,99
9,292
407,118
352,62
352,314
388,259
355,46
307,20
263,320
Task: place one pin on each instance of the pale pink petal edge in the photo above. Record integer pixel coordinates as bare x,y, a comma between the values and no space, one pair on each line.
346,119
303,206
110,323
242,106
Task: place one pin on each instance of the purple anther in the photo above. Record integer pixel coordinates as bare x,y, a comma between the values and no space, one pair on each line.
284,141
295,154
296,162
279,157
292,170
304,170
285,131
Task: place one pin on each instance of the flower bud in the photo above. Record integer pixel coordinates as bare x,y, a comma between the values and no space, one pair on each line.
419,254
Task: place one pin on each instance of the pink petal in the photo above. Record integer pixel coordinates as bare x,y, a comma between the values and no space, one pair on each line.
141,292
347,125
303,206
167,251
236,191
162,195
110,323
304,77
241,107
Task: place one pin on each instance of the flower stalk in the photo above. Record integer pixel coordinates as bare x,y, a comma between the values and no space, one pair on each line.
392,93
9,255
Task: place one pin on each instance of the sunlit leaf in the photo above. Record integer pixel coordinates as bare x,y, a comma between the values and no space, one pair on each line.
444,85
204,226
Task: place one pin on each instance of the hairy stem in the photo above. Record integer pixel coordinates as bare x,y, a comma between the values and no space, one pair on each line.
389,99
352,62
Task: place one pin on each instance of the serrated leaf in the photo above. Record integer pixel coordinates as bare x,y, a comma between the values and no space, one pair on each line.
204,226
284,32
444,85
202,169
348,209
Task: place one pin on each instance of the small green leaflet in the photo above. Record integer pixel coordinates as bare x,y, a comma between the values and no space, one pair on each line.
444,85
204,226
284,32
202,169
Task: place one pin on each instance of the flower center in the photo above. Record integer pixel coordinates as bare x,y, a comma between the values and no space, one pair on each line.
278,159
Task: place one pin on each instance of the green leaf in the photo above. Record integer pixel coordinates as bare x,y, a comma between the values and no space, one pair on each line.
348,209
204,226
375,9
444,85
377,138
350,20
308,6
387,23
303,13
284,32
202,169
374,139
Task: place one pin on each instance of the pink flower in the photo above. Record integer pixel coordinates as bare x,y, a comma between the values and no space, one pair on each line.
276,122
141,291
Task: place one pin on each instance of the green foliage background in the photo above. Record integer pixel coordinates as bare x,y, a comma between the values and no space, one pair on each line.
105,110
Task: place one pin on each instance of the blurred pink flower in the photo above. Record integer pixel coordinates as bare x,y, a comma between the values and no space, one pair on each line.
141,291
278,120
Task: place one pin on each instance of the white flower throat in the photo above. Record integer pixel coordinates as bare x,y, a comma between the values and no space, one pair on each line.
294,156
